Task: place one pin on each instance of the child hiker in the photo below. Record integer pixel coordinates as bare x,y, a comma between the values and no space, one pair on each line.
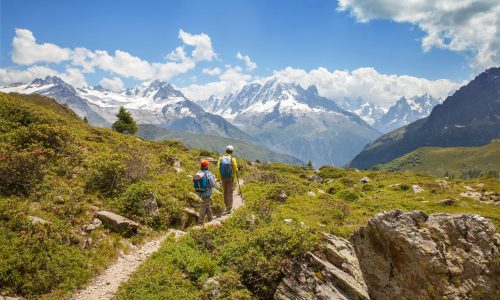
204,181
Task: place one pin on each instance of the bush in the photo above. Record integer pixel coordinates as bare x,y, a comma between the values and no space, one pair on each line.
21,171
137,201
108,175
347,182
334,188
41,136
348,195
331,172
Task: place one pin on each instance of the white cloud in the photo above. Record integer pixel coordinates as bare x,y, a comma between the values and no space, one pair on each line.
456,25
230,80
9,76
74,77
115,84
26,51
213,72
367,83
203,45
248,62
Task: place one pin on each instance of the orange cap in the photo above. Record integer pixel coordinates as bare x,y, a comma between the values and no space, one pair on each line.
205,163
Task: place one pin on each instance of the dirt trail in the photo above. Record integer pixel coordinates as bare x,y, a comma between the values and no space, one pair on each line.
104,286
237,203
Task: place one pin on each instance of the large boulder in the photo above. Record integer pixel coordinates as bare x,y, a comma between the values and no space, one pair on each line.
330,273
441,256
117,223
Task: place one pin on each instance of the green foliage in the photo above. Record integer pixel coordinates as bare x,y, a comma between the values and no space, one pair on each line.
125,123
136,200
331,172
108,175
348,195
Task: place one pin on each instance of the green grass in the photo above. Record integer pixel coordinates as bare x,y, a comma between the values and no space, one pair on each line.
256,244
451,161
55,166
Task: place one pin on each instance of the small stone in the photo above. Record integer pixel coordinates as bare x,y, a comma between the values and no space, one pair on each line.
365,180
417,189
37,221
447,202
288,221
320,191
282,196
311,194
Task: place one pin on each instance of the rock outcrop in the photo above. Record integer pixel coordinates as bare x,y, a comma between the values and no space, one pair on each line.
441,256
330,273
117,223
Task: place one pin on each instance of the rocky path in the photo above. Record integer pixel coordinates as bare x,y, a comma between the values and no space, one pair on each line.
237,203
105,285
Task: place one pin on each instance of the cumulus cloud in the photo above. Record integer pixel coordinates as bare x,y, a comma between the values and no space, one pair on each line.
9,76
213,72
246,59
115,84
230,80
26,51
367,83
203,45
457,25
74,77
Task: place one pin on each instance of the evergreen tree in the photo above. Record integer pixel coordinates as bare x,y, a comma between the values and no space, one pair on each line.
125,123
85,119
309,164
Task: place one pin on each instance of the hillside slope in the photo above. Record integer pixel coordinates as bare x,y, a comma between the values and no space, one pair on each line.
55,170
449,161
215,143
470,117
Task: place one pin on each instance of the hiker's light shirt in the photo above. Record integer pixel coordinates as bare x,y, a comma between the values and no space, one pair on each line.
210,184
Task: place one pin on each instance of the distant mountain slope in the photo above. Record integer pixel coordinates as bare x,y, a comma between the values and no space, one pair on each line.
154,102
447,161
369,112
289,119
215,143
470,117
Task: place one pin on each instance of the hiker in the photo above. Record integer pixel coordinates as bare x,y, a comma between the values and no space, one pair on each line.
226,169
204,181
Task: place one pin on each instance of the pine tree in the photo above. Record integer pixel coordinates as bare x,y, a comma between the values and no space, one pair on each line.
309,164
125,123
85,119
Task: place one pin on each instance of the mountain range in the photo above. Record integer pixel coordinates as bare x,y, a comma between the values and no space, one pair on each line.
469,117
290,119
403,112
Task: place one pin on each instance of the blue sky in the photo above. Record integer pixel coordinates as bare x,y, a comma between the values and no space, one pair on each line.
301,34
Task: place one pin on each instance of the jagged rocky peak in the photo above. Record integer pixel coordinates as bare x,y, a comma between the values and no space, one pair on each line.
157,89
46,81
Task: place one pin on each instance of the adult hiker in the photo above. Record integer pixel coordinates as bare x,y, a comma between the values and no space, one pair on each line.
227,169
203,182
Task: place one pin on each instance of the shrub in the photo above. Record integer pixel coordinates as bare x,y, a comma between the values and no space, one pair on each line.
347,182
334,188
108,175
331,172
348,195
21,171
41,136
137,201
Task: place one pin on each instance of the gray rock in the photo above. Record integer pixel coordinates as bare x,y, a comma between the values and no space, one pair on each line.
417,189
118,223
365,180
311,194
282,196
37,221
96,223
447,202
443,184
212,287
151,206
331,273
441,256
